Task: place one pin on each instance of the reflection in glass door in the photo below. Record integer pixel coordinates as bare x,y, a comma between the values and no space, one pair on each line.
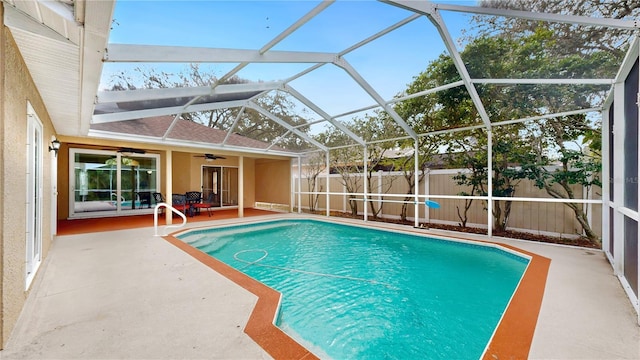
138,182
229,187
211,184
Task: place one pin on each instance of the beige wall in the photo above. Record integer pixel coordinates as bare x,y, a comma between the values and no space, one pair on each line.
17,89
63,181
3,142
273,181
182,173
249,182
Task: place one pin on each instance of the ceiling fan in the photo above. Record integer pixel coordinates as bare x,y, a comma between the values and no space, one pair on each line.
210,156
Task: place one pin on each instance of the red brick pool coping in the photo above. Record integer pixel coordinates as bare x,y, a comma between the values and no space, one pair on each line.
512,339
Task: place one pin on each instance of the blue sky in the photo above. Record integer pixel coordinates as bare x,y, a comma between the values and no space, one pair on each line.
388,64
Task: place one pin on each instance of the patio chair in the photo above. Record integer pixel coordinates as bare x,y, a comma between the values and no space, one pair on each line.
193,198
145,198
158,198
208,205
179,202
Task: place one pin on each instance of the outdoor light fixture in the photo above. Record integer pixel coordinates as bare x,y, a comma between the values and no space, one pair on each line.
55,146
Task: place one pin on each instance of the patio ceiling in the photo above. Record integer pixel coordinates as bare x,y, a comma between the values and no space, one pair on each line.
66,43
62,43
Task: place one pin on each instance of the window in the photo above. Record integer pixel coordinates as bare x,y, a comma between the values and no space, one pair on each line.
107,182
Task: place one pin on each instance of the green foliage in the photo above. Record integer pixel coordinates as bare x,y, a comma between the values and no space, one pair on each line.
519,147
510,153
570,39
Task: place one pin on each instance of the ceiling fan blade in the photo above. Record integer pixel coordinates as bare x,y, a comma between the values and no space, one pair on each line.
210,156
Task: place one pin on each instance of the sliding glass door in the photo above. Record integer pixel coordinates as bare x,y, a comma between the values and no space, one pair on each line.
103,182
220,185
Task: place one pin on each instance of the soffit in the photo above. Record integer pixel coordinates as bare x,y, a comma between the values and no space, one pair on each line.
63,55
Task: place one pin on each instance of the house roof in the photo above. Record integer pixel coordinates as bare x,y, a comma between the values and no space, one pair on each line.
180,130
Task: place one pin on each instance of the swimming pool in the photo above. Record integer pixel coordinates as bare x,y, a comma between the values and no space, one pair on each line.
351,292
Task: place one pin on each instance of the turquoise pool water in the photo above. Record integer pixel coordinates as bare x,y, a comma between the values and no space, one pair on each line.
356,293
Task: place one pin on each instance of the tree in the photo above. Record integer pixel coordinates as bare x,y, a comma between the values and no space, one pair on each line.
191,76
572,51
344,160
571,39
313,166
577,166
348,160
256,126
406,164
474,178
456,109
462,154
569,51
373,129
536,52
424,115
510,153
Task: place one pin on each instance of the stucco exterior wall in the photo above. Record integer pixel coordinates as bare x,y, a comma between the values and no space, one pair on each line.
63,182
182,173
2,177
249,182
274,181
18,89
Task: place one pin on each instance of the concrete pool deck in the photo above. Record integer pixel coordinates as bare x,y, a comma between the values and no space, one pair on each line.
129,295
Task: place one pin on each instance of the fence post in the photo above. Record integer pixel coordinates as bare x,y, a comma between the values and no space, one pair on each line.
380,203
328,181
489,183
427,175
588,195
344,198
416,186
366,183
